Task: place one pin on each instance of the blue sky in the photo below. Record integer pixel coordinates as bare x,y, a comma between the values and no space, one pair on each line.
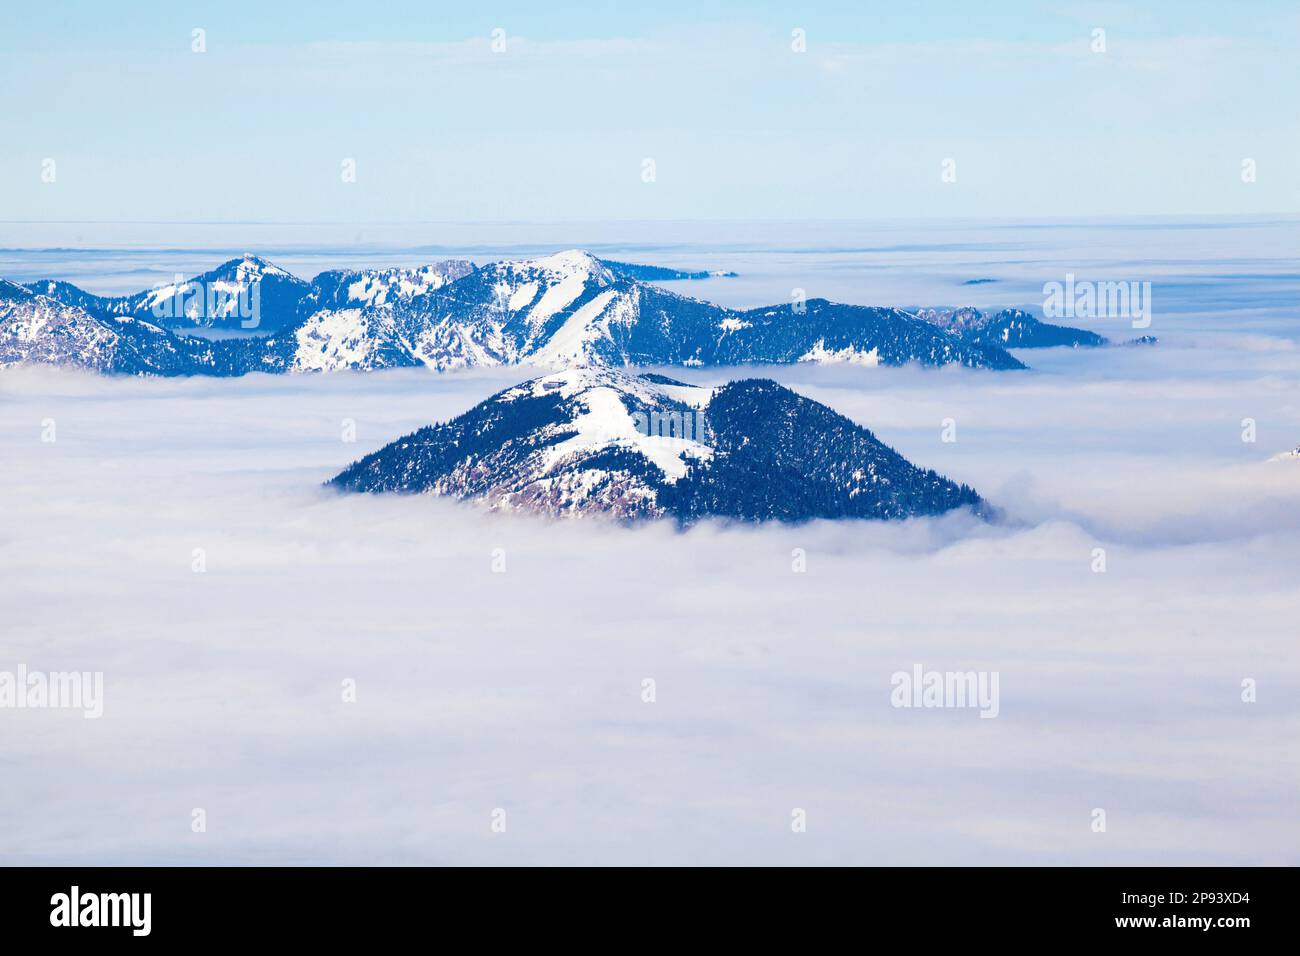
559,125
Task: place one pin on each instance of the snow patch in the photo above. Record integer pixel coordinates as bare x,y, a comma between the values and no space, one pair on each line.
522,296
332,340
607,423
568,344
821,355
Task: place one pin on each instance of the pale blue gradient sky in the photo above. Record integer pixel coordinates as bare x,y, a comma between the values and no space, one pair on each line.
556,127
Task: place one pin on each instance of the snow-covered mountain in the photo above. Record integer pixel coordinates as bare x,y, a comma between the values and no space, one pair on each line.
69,294
1008,329
829,332
37,329
611,442
572,309
248,294
555,311
362,288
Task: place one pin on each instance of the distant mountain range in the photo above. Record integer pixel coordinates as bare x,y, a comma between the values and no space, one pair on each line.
607,441
1008,329
556,311
660,274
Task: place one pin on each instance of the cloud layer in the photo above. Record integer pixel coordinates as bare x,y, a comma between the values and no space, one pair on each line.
521,690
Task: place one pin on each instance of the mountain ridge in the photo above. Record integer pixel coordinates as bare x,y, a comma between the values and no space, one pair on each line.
564,309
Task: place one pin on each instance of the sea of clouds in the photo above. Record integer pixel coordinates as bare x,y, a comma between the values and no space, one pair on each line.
478,690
